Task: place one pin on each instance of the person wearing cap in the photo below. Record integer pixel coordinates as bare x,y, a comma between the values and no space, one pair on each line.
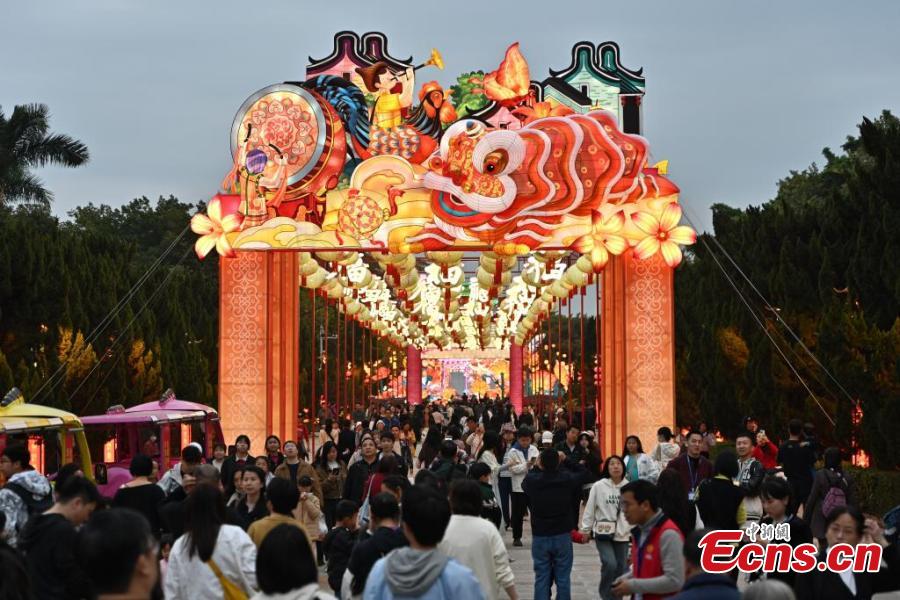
522,457
546,440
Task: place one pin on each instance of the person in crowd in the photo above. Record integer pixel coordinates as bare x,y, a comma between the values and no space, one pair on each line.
591,459
220,452
262,463
604,518
237,487
765,451
422,570
26,493
666,448
407,441
281,499
638,465
385,537
750,476
48,542
14,584
211,557
399,466
490,508
171,482
395,486
446,467
151,447
776,499
346,441
476,544
273,452
560,427
252,507
504,479
117,552
338,544
522,456
307,511
70,470
293,467
831,488
491,454
240,458
332,474
798,460
769,589
140,494
809,436
358,475
569,446
699,585
171,513
846,525
286,569
431,447
692,466
708,440
657,545
673,502
550,490
719,500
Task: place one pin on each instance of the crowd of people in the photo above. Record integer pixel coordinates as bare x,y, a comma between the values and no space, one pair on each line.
415,502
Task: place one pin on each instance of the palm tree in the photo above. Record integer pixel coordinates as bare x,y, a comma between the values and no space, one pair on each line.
25,143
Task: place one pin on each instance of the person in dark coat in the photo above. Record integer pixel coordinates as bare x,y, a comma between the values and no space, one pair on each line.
845,525
386,535
49,542
359,473
691,466
719,500
339,542
698,584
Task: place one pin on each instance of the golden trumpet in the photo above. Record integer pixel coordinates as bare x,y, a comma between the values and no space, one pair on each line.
435,59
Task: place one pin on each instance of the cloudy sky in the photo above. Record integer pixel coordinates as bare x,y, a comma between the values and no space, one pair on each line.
738,93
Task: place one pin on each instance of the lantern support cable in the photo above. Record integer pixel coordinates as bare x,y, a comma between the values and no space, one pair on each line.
765,330
56,378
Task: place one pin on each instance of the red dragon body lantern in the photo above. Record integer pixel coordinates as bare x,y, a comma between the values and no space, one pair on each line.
518,186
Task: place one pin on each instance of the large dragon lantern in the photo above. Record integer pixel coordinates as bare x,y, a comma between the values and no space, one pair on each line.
348,164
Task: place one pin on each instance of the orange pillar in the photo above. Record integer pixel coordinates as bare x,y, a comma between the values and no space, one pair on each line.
638,351
258,346
515,377
413,375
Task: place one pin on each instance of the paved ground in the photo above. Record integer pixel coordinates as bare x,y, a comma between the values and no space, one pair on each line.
585,569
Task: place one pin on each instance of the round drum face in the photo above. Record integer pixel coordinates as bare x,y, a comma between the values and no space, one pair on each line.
283,118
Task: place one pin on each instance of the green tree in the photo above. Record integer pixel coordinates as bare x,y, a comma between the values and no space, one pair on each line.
26,143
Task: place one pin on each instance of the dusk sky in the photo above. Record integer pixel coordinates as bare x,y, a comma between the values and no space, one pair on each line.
738,93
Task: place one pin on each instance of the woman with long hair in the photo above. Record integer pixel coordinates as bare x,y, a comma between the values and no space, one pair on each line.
491,454
252,507
431,446
604,518
592,460
273,452
638,465
332,474
674,503
211,557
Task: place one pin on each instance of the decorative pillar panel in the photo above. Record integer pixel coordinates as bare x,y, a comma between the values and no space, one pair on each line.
515,377
413,375
258,346
638,350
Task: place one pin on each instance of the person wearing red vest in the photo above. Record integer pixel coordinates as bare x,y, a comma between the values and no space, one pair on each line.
656,547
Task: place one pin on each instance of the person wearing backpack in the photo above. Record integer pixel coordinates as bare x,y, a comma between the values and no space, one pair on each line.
831,489
446,468
27,492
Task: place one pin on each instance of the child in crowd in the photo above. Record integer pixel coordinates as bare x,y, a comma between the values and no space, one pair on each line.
339,542
490,507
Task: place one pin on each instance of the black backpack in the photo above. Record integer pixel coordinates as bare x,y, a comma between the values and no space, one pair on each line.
34,507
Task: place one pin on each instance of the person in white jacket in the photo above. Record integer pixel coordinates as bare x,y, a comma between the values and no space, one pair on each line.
476,543
603,518
638,465
488,455
519,461
210,556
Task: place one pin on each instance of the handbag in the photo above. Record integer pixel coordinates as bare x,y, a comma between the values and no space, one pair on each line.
230,590
362,521
323,526
605,531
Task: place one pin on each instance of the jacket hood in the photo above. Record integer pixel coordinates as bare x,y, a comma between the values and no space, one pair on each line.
411,572
33,482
